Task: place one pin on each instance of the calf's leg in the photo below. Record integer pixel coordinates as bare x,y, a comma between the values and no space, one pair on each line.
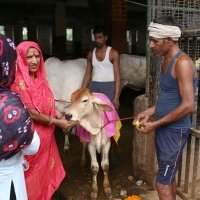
95,169
66,144
83,154
105,166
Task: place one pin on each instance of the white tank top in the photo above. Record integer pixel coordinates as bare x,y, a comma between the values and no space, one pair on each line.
102,70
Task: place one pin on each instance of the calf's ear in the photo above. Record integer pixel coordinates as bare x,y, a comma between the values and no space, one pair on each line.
100,105
103,107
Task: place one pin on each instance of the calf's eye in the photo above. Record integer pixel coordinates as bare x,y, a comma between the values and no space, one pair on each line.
85,100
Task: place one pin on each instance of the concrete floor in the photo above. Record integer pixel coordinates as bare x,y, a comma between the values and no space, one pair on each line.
152,195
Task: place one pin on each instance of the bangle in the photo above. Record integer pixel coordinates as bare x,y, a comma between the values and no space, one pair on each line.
50,120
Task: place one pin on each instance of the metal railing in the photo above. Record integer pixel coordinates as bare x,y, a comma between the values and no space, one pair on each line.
188,178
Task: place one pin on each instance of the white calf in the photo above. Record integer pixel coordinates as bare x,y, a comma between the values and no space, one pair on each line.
89,111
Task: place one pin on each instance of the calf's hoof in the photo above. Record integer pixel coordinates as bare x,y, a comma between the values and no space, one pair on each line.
66,148
108,192
93,195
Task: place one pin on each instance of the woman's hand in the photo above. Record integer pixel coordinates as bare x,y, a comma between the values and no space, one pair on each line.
59,115
64,124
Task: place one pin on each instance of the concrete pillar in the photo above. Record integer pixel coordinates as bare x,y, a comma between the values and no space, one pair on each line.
59,39
143,156
115,23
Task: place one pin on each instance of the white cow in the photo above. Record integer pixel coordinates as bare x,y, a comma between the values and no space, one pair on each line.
133,71
66,76
88,110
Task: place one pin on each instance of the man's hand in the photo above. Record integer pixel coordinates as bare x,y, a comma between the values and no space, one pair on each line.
144,116
147,127
141,118
138,125
116,103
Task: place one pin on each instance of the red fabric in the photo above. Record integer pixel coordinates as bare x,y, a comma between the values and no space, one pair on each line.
45,171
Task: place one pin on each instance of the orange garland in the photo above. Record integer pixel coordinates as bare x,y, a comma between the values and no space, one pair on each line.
133,197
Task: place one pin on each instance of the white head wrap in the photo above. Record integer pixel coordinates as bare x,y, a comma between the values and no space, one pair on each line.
161,31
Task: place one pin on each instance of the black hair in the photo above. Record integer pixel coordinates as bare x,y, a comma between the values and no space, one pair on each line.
166,20
99,29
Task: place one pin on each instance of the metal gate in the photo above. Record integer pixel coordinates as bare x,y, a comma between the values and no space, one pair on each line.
187,14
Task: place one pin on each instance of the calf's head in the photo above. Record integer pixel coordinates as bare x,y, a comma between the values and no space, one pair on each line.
83,104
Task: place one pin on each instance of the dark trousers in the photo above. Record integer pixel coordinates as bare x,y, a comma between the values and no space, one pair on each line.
108,88
12,192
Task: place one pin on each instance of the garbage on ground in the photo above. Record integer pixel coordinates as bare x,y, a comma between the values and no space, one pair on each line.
123,193
139,182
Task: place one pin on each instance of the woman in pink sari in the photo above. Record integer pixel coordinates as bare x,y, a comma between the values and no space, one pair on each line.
45,171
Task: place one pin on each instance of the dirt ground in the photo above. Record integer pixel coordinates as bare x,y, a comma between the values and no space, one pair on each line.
77,185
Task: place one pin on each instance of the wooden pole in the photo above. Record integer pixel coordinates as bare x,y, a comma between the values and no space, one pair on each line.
115,23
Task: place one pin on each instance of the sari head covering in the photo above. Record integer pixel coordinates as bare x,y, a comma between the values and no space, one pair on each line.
35,93
45,168
15,123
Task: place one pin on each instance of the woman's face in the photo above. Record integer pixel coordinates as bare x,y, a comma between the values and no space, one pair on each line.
33,60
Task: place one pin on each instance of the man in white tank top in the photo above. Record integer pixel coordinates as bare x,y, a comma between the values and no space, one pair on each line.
102,71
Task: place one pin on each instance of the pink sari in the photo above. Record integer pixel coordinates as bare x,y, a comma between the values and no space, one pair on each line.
45,172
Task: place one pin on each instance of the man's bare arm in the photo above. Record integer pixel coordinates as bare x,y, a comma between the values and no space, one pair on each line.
88,71
116,63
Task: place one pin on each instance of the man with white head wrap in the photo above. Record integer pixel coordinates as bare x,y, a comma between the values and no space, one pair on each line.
161,31
171,113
